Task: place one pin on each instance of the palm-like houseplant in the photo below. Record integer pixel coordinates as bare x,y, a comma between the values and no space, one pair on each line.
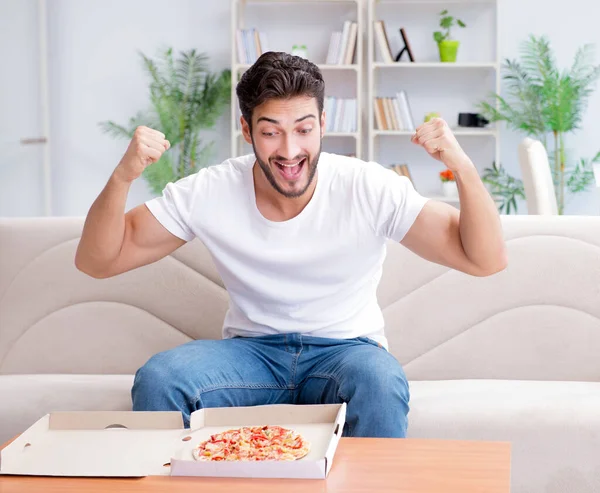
185,98
546,103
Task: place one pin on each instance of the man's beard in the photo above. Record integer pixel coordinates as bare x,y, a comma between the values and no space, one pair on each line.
312,170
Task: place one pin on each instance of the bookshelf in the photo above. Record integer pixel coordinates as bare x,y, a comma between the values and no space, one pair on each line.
430,85
312,26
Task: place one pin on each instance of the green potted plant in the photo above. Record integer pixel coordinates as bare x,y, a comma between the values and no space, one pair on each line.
447,46
543,102
504,188
185,98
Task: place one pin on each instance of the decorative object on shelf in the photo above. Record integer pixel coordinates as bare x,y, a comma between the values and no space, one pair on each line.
504,188
472,120
447,46
300,50
430,116
449,188
544,101
185,98
383,41
402,170
342,45
406,48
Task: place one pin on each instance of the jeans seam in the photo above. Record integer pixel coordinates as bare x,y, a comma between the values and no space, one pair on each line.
196,398
294,368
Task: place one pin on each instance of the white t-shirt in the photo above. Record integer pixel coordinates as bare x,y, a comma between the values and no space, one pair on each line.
317,273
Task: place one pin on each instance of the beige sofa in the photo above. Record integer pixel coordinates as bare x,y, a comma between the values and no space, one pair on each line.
512,357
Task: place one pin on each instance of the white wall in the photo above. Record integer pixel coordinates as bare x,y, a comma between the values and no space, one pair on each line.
95,74
21,185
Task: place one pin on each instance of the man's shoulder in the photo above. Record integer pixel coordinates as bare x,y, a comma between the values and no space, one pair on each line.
229,172
348,168
232,166
341,165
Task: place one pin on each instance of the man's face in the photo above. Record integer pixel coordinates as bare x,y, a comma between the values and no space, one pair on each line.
286,138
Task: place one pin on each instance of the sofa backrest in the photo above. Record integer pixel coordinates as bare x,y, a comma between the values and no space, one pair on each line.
539,319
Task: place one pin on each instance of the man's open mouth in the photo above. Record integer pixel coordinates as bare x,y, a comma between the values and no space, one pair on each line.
290,170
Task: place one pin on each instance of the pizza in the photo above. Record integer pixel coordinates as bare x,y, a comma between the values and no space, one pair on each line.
253,443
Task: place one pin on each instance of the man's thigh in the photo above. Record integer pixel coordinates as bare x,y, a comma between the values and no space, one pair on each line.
334,373
219,373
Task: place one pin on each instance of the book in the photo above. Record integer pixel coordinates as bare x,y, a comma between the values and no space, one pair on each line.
382,42
378,117
405,110
344,43
401,123
349,55
384,123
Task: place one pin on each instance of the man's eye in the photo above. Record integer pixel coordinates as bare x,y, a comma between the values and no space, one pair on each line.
268,134
306,131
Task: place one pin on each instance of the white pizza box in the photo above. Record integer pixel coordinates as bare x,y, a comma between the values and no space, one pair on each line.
136,444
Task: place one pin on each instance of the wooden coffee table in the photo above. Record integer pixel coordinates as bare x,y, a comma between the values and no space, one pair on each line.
360,465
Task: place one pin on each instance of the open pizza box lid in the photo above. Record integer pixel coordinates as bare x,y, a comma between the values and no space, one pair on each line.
136,444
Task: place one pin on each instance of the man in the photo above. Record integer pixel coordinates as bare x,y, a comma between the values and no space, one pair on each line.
298,237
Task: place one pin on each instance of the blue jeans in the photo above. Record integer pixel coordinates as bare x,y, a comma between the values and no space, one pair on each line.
280,369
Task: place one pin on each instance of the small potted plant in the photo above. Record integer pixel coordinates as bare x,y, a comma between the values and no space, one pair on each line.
449,188
447,46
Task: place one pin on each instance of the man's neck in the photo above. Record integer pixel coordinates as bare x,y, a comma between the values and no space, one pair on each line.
275,206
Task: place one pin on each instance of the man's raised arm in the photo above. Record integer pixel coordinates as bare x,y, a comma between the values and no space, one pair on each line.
113,242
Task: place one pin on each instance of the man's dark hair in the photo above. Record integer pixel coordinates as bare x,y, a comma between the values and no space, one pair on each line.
278,75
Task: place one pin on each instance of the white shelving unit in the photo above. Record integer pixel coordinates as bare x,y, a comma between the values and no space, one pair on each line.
311,26
431,85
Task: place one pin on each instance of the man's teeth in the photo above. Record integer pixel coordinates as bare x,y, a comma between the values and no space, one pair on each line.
289,165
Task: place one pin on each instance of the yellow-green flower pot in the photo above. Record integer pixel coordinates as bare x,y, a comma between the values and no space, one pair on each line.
448,50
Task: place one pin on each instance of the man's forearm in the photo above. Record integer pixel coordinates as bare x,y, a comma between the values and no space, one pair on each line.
480,228
104,228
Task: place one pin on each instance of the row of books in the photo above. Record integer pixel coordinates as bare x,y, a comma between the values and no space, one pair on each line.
394,113
342,45
251,44
340,114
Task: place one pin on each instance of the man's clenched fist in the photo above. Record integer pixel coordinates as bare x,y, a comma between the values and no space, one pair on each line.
437,139
146,147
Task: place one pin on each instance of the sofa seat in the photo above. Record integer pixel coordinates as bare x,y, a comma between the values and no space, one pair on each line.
551,425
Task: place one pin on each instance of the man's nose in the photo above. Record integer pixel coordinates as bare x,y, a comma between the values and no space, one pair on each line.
290,148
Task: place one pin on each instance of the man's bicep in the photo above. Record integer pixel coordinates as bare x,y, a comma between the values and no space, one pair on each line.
146,240
435,236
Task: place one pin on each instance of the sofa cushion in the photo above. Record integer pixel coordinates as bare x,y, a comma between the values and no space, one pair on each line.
553,426
26,398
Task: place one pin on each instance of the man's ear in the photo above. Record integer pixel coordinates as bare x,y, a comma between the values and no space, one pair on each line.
245,130
322,123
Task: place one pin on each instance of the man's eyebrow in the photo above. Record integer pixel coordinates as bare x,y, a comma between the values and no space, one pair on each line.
276,122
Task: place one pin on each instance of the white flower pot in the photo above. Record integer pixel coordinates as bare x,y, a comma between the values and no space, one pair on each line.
449,189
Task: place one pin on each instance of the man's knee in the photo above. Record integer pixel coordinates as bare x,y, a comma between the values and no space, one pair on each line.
155,375
380,376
